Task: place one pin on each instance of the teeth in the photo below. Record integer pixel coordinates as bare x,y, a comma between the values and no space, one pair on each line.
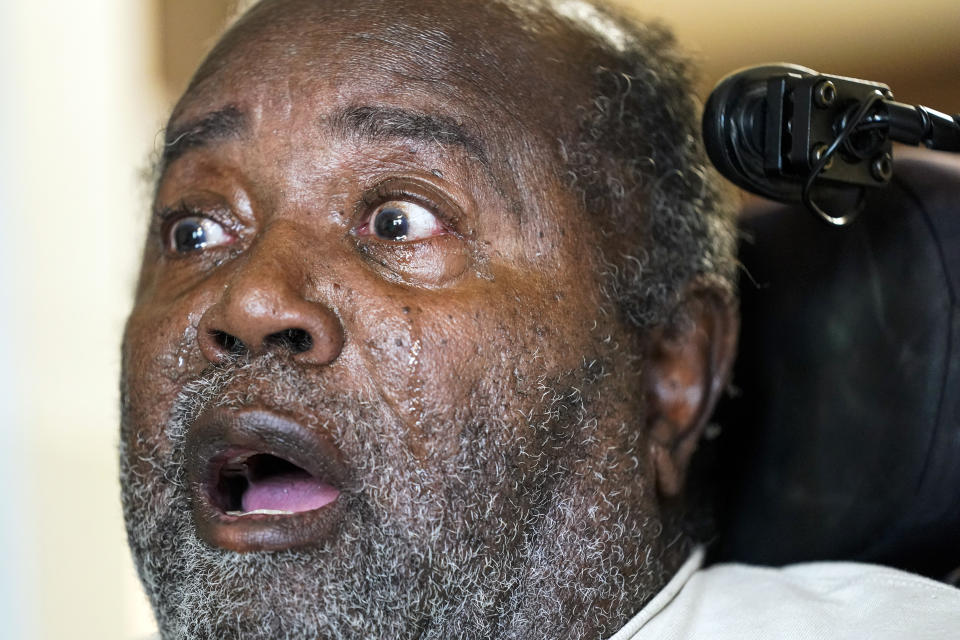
260,512
235,467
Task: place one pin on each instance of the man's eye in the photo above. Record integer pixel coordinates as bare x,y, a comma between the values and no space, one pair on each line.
401,221
194,233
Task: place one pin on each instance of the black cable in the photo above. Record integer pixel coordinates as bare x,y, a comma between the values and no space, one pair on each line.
858,118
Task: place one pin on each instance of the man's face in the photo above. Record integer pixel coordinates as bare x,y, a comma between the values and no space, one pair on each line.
371,386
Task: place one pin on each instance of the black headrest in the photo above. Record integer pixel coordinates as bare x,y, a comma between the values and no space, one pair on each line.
843,438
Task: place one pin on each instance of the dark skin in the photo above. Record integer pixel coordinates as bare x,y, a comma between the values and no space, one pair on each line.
498,272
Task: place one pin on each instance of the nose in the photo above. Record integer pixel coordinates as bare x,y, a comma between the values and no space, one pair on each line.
263,309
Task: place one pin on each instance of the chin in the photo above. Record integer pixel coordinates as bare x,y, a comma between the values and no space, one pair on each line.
245,523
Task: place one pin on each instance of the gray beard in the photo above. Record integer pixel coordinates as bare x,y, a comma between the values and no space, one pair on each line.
512,542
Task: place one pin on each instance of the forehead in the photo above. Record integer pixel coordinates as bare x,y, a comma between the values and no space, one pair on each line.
477,62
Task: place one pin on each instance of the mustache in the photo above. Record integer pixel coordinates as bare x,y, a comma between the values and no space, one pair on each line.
273,382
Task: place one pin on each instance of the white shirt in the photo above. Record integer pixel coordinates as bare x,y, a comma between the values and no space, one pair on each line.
813,601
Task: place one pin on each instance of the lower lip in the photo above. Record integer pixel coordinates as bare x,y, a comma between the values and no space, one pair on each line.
263,532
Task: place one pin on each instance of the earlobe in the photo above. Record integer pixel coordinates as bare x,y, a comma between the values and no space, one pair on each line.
687,368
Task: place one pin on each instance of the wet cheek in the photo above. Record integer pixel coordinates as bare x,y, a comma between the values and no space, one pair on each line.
457,352
159,354
147,401
162,336
436,356
421,362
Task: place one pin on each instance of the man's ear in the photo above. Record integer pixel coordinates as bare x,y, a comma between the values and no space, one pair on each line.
688,365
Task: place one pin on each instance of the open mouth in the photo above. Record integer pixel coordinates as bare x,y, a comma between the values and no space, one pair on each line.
262,481
250,483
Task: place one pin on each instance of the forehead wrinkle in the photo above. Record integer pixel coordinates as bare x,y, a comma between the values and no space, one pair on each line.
379,123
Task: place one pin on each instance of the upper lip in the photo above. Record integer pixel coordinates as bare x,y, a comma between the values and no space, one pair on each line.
219,435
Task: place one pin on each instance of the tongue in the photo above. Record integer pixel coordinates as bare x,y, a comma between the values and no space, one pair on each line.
288,492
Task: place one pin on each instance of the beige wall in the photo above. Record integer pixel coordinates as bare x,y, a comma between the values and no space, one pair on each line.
912,46
84,89
81,106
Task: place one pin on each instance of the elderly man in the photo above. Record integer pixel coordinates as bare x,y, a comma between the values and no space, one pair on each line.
435,304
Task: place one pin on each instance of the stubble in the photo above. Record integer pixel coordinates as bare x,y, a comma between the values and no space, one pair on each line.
529,529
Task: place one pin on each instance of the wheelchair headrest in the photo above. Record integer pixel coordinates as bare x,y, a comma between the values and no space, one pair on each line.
843,438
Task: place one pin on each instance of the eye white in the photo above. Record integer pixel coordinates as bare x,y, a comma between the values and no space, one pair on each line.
194,233
402,221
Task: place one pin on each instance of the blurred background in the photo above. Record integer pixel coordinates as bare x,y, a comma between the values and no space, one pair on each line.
84,90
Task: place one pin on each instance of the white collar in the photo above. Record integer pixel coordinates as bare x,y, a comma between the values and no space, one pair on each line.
664,597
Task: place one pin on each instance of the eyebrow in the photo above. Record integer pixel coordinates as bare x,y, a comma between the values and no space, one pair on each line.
228,122
375,123
378,123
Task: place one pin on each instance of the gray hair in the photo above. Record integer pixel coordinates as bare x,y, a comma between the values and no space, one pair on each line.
639,165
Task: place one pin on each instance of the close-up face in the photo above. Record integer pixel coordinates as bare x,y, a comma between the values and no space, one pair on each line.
371,380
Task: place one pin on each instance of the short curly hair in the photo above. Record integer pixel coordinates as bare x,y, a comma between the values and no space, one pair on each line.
638,163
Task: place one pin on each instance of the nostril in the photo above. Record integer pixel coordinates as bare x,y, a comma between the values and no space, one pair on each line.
226,342
296,340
